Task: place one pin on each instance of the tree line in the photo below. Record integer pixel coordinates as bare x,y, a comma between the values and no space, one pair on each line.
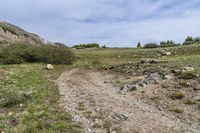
170,43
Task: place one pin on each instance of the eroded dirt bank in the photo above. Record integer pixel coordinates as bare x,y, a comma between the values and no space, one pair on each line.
95,100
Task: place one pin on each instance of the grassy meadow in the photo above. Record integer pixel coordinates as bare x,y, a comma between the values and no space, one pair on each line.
29,100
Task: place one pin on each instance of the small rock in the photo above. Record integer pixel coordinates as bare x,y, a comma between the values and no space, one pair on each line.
176,71
129,87
14,122
122,116
50,67
166,53
10,113
107,81
142,84
153,78
168,77
152,61
188,69
197,98
27,95
196,87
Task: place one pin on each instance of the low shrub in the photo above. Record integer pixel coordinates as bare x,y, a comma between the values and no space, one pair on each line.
180,111
20,53
90,45
188,75
151,45
178,95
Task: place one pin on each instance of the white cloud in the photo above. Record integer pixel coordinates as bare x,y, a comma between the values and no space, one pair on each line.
114,22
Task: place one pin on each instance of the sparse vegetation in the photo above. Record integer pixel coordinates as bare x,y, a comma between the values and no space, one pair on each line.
188,75
180,111
178,95
30,103
184,83
189,102
107,125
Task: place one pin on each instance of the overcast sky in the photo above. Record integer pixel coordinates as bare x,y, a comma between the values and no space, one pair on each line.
112,22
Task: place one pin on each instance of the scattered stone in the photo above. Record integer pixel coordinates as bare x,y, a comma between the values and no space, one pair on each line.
152,61
27,95
14,122
188,69
168,77
197,98
129,87
122,116
196,87
107,81
142,84
165,85
10,113
50,67
176,71
153,78
166,53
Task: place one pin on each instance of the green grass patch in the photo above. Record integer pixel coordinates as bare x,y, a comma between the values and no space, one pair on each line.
30,102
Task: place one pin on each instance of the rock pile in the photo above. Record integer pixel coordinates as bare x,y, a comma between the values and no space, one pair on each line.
165,52
140,69
151,61
153,78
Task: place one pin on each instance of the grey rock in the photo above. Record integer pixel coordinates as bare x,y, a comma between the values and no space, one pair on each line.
196,98
142,84
188,69
168,77
122,116
152,61
129,87
27,95
152,78
166,53
196,87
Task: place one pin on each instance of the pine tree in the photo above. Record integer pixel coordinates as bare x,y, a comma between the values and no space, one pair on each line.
139,45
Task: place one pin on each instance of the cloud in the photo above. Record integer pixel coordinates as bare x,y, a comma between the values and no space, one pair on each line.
115,23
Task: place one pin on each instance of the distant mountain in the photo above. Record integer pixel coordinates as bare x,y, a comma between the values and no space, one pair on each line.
10,33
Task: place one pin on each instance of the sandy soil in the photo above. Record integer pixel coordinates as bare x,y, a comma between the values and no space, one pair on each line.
93,98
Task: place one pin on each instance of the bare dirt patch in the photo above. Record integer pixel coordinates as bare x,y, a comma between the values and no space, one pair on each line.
94,98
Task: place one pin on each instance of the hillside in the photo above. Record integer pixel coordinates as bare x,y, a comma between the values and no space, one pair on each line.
10,33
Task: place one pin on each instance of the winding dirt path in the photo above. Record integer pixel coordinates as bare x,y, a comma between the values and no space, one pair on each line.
92,99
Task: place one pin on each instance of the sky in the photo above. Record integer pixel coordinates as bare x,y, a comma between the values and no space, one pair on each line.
115,23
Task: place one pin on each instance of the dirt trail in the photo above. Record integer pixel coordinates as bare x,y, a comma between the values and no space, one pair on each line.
92,98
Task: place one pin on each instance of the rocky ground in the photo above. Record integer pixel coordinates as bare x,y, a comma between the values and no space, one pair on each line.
165,102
